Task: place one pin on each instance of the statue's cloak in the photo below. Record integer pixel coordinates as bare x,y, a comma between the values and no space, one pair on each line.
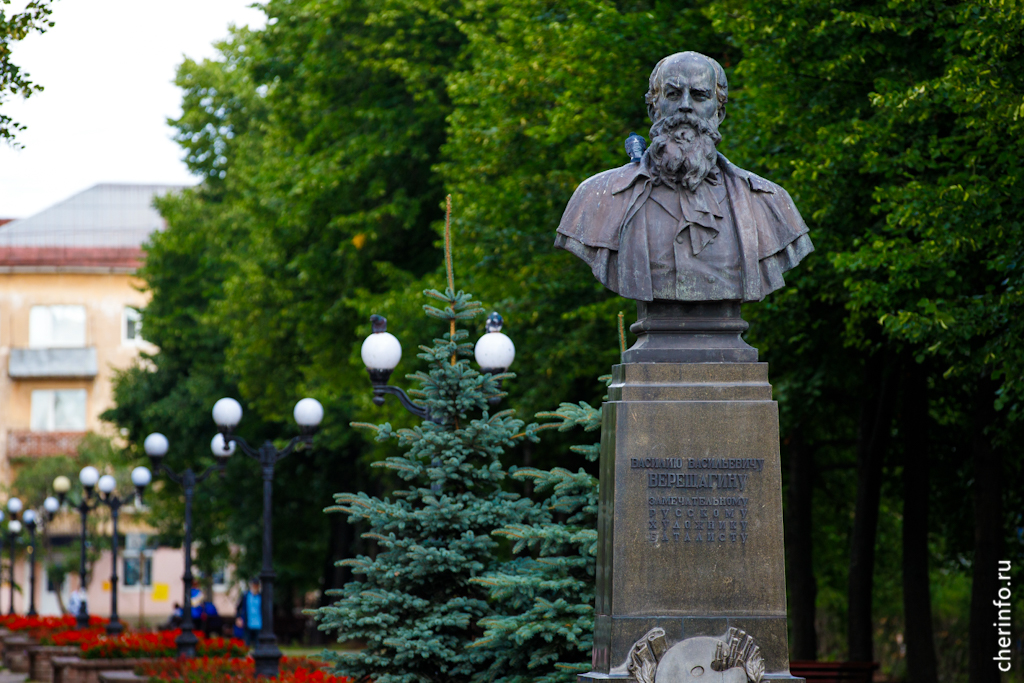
599,227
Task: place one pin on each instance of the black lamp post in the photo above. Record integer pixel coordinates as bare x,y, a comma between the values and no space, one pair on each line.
50,507
381,353
88,477
156,446
140,478
13,529
31,521
227,413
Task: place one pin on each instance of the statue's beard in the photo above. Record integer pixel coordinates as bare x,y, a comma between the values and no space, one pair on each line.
682,151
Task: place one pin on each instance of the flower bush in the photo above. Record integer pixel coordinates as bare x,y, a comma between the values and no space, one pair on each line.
95,644
48,629
72,637
141,645
17,622
231,670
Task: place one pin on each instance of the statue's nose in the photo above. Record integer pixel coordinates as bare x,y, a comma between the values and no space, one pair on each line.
686,103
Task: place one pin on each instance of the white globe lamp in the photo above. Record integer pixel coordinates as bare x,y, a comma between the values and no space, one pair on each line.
227,413
107,484
219,450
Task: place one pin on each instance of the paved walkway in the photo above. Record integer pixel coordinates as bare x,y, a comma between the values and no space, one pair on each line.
8,677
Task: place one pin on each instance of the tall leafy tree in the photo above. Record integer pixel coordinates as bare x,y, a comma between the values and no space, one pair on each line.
14,27
878,119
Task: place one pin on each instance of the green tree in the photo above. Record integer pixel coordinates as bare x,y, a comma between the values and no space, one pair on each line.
546,631
314,138
34,18
896,128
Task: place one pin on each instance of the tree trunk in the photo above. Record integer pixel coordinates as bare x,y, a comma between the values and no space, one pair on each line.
917,597
803,587
875,429
988,539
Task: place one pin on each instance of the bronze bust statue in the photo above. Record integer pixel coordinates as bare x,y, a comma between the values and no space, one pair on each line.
683,224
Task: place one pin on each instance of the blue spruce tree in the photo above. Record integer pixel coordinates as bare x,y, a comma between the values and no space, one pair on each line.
543,630
415,604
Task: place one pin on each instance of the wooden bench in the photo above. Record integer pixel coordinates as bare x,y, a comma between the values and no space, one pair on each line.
834,672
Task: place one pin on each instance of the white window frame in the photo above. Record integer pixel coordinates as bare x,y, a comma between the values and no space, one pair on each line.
36,338
51,423
126,312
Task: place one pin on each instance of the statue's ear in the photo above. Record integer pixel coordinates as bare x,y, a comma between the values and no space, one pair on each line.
651,100
721,114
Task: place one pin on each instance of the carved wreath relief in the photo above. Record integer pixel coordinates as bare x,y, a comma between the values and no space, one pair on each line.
733,658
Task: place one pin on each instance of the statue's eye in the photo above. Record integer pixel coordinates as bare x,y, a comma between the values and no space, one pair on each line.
672,93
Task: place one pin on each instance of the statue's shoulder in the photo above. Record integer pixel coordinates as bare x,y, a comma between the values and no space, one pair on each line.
756,183
612,181
769,207
597,208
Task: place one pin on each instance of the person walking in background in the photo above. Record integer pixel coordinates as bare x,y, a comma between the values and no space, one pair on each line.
249,613
196,598
212,624
78,601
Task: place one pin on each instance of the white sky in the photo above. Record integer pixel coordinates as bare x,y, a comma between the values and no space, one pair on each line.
108,68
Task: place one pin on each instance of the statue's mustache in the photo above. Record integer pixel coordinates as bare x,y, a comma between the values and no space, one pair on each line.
682,149
679,124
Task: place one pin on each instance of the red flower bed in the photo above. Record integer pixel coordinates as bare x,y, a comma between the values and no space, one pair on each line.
95,644
229,670
47,629
136,645
75,637
16,622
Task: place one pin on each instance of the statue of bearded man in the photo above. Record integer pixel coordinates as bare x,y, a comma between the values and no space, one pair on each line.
683,223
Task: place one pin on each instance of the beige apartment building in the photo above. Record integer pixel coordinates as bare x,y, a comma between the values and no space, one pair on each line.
69,320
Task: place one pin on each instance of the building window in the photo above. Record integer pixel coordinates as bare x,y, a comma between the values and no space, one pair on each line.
132,327
58,410
56,327
138,569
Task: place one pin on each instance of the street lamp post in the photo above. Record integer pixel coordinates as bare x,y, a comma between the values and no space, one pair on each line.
227,413
381,353
88,478
13,529
156,446
31,520
494,352
140,478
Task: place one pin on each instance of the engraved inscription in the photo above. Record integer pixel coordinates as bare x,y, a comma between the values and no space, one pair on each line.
656,463
698,517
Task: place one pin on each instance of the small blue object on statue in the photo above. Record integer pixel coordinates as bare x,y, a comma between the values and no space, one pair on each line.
635,146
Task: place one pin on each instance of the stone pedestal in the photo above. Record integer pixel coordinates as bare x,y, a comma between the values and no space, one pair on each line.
690,523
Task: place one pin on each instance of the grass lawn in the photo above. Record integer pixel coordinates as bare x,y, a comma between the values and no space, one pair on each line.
303,651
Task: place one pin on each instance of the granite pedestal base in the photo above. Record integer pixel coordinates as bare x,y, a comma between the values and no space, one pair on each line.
690,521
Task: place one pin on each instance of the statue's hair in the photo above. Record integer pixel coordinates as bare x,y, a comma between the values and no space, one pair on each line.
721,82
